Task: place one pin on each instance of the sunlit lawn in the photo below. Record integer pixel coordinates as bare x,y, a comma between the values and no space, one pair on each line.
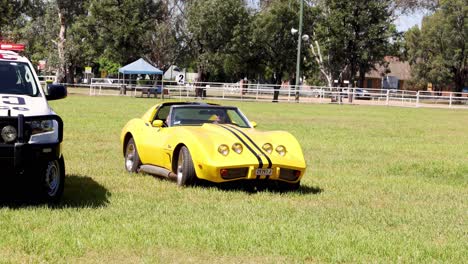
384,184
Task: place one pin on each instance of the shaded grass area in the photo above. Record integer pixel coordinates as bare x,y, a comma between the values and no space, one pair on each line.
383,185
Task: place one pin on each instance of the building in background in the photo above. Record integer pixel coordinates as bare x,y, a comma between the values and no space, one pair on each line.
393,75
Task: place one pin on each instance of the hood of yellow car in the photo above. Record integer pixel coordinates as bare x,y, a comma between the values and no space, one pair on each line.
210,136
227,133
216,134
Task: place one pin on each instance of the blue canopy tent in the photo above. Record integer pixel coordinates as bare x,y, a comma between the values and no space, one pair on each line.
139,67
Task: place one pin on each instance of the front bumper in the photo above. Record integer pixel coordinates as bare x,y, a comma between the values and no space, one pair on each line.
19,157
279,172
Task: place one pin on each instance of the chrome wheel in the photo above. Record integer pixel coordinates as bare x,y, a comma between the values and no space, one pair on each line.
130,156
186,175
132,159
180,168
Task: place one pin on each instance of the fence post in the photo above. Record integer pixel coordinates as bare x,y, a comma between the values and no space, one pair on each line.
321,95
450,102
388,97
256,97
417,99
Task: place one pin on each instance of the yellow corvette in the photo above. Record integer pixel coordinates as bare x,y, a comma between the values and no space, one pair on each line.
188,141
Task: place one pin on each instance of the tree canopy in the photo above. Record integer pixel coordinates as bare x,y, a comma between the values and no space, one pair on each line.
438,51
226,40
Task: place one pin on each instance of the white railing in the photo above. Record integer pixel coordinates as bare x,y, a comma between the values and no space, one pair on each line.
267,92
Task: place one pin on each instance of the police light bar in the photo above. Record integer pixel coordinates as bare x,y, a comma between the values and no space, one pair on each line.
12,47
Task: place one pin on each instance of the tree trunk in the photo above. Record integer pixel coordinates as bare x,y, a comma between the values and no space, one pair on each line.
70,74
277,81
200,91
460,78
62,68
352,73
362,77
319,59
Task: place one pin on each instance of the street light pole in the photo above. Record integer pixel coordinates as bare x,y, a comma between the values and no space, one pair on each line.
299,44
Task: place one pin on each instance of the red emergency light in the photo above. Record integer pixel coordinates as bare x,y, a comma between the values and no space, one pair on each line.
12,47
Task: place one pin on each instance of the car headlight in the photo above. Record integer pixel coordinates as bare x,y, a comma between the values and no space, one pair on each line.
43,131
267,147
281,150
237,148
9,134
41,126
223,149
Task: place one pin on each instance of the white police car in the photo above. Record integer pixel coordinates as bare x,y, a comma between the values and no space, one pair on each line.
30,132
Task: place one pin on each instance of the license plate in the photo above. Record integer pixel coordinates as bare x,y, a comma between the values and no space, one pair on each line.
263,172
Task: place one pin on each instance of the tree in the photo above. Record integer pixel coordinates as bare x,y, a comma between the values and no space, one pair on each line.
275,47
14,14
168,40
67,12
217,31
352,37
120,28
7,13
405,6
438,51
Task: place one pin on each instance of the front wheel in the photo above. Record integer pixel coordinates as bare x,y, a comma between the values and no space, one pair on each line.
185,171
132,159
52,181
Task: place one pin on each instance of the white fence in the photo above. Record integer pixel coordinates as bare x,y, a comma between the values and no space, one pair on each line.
271,92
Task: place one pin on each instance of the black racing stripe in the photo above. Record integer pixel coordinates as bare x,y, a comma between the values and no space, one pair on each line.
260,162
255,145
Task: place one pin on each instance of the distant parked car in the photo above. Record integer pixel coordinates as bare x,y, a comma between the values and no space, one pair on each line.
317,92
105,82
362,94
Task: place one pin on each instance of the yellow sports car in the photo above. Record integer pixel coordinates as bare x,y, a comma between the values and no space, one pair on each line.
188,141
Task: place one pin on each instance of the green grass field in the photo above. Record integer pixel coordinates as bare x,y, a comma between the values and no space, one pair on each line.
383,185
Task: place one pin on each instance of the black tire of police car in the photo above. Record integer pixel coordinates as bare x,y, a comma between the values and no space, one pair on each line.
52,181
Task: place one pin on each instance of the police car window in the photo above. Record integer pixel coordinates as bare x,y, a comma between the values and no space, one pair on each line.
17,78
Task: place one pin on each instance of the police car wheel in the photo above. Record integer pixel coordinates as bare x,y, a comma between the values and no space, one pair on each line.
53,180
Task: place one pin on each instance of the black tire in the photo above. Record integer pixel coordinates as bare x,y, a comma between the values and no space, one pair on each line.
288,187
186,175
52,181
132,159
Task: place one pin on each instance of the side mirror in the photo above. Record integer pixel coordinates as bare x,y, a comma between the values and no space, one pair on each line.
55,92
158,123
253,124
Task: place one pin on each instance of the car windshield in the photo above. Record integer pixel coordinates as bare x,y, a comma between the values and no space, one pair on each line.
17,78
196,115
